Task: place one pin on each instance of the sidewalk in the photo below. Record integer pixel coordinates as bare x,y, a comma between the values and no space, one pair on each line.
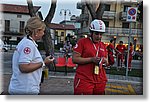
60,84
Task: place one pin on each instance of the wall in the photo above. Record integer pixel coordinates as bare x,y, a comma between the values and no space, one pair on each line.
14,21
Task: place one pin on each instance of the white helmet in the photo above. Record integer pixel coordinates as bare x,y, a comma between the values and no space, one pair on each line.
97,26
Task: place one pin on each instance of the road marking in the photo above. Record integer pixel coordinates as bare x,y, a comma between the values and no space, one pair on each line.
130,88
117,89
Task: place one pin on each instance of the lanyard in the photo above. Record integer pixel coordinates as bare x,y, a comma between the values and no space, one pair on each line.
97,50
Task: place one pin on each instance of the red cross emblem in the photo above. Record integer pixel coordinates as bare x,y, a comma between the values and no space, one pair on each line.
27,50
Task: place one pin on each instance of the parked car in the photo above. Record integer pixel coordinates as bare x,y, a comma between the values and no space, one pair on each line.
3,47
138,55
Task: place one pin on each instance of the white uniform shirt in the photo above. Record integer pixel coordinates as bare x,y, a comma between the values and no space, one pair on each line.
25,83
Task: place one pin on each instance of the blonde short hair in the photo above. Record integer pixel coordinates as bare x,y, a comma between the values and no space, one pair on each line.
33,24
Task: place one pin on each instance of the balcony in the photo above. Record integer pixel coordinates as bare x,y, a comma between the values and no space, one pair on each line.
117,32
11,31
123,16
129,1
124,31
109,15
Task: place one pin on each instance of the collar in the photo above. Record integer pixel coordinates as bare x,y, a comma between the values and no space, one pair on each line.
30,38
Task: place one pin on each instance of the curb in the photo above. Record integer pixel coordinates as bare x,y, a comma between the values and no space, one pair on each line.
124,81
109,79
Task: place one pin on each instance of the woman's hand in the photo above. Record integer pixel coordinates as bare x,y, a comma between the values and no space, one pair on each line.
95,60
49,59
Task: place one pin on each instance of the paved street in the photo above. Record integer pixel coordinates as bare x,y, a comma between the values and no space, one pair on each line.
64,86
58,83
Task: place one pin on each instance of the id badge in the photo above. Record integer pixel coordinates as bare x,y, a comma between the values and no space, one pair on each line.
96,70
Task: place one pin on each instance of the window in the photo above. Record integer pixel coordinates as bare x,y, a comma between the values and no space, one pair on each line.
107,7
7,25
56,33
19,16
62,33
125,8
125,25
22,26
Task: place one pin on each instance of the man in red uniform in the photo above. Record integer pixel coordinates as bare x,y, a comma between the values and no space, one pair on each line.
90,54
131,52
111,49
121,48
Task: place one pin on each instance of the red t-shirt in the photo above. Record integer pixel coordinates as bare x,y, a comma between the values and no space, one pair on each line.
121,48
86,71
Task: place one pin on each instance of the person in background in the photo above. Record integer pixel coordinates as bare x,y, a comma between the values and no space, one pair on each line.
131,53
111,49
90,54
121,48
67,48
27,63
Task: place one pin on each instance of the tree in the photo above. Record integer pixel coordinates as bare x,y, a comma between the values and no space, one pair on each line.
95,13
47,39
140,11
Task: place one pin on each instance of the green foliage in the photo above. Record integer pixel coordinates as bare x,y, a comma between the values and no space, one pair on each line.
140,11
122,71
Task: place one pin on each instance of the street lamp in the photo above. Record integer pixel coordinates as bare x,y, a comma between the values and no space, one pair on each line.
64,11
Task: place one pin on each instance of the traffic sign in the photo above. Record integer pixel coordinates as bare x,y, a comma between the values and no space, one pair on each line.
131,14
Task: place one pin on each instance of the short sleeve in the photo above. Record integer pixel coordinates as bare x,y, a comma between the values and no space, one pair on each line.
26,53
79,46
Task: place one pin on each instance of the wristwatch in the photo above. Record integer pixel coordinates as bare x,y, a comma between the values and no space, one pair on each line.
43,64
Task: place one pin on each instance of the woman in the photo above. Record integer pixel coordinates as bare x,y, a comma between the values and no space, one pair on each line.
27,62
90,54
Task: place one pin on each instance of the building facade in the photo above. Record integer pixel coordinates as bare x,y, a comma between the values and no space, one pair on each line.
60,33
114,16
14,18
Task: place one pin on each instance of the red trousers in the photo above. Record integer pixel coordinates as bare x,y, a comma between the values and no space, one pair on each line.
82,87
120,60
129,63
111,59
